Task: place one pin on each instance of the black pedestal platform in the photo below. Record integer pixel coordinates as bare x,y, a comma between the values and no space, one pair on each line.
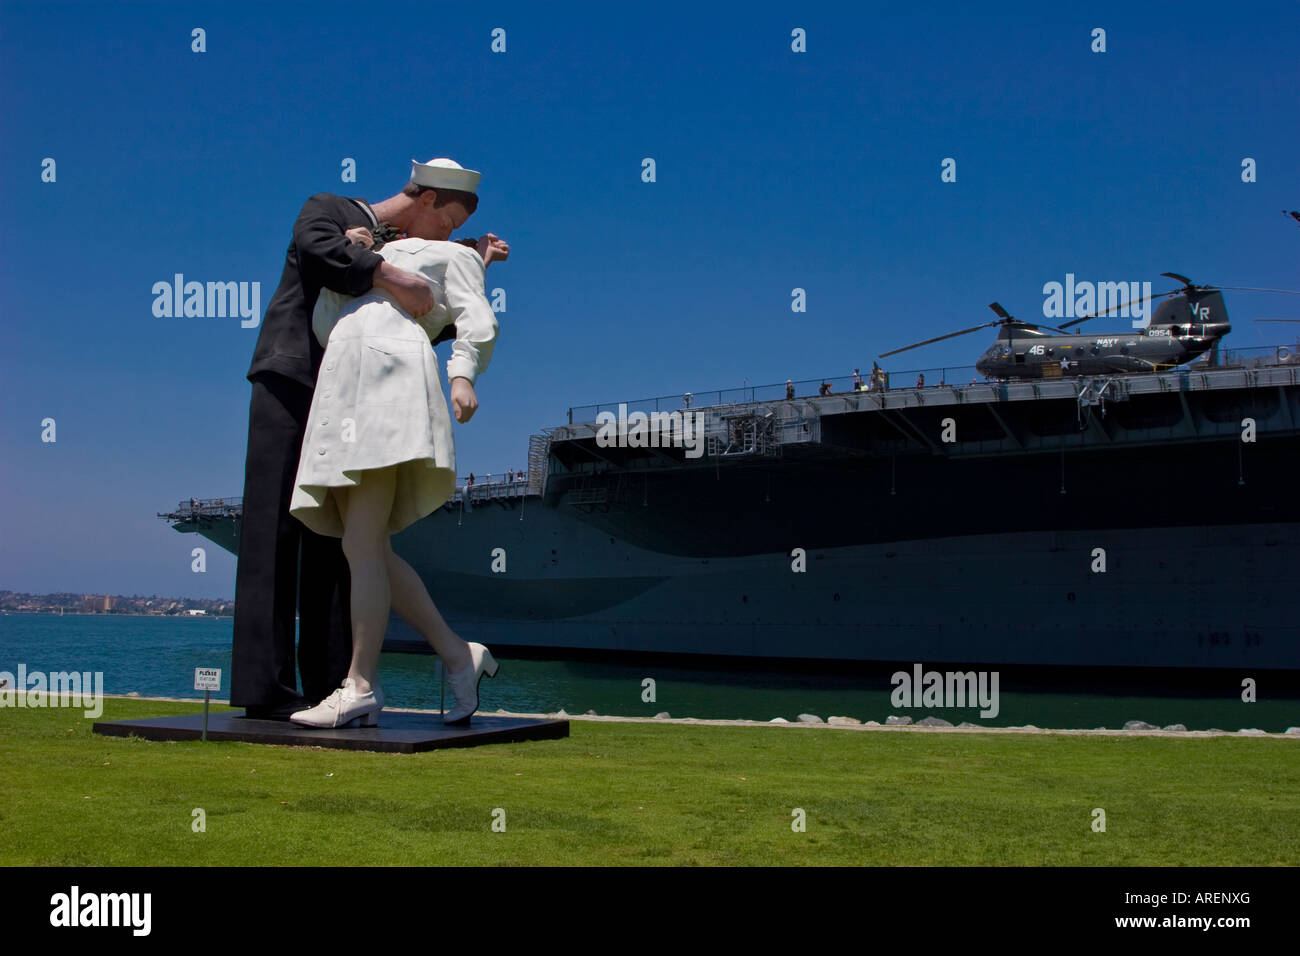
398,732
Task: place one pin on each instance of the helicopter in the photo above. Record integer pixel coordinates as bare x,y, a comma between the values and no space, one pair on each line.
1189,323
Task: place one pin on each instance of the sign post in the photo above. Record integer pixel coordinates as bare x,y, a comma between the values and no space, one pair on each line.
207,679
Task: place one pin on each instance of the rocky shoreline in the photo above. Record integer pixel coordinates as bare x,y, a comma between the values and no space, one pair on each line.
1133,728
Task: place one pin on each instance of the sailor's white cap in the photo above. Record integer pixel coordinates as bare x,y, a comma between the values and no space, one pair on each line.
444,174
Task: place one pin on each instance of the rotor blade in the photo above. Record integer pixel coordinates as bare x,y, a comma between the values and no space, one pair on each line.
950,335
1177,278
1246,288
1277,320
998,310
1120,305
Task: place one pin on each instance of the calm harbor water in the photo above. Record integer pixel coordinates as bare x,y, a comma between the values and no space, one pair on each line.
156,656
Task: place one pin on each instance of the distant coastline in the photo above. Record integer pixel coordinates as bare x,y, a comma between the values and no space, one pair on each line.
55,612
67,602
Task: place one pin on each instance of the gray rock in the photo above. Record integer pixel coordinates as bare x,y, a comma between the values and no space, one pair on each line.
872,723
933,722
1140,725
844,721
967,724
1293,731
561,713
1215,730
778,720
1251,730
1029,727
1178,727
590,713
133,693
810,719
663,714
894,720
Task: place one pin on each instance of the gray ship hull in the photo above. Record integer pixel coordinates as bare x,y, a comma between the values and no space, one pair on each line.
1024,598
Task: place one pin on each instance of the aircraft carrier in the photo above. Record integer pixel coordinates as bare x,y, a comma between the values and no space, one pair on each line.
1129,520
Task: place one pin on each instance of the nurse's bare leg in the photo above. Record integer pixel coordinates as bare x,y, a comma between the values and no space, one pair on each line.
412,602
365,509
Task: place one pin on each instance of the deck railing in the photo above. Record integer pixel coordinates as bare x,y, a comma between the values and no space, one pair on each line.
804,388
911,378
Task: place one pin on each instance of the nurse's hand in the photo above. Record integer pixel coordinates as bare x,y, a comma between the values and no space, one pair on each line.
493,249
463,400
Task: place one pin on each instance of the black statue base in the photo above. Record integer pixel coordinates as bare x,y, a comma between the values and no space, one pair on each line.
398,731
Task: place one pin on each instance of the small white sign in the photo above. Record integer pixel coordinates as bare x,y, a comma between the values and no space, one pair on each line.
207,678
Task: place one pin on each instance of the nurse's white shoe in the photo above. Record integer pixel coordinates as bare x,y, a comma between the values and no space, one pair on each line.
464,684
344,707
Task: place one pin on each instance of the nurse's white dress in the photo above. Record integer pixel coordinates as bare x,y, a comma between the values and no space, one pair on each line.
378,398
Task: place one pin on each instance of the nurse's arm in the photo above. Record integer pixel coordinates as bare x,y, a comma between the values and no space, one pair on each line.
469,311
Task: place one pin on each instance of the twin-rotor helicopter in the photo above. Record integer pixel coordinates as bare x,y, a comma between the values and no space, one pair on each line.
1189,323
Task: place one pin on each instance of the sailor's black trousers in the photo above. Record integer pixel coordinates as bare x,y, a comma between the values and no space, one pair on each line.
283,564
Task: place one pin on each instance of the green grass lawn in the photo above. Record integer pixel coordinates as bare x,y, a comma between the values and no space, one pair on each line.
643,793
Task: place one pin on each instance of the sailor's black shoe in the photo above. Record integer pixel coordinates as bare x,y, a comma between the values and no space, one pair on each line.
277,711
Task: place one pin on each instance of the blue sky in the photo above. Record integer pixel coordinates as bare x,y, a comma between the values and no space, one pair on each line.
775,170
